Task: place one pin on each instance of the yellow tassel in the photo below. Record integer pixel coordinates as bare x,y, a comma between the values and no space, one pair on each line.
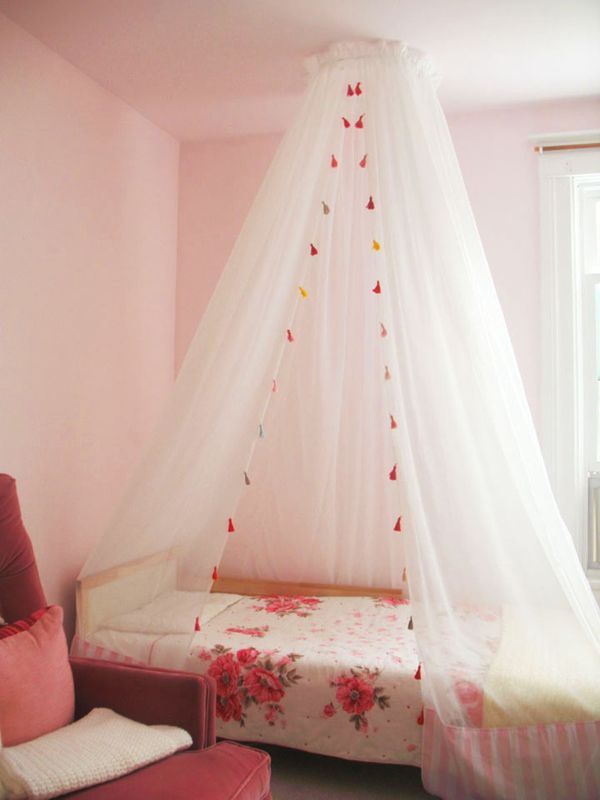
376,245
303,292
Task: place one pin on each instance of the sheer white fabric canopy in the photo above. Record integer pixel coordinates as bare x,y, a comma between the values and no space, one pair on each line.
351,408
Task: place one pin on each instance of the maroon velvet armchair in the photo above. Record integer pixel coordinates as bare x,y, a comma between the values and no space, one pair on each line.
209,771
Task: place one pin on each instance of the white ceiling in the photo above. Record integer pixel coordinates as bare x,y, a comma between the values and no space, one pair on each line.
211,68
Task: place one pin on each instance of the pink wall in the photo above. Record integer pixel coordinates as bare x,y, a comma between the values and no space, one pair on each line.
88,221
218,180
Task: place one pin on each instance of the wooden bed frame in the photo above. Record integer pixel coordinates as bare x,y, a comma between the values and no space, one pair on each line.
137,582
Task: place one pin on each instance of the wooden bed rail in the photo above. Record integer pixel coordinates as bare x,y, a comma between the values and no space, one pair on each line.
259,587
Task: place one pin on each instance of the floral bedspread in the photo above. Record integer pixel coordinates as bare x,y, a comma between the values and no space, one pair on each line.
338,676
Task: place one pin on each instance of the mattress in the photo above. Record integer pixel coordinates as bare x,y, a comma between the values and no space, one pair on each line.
331,675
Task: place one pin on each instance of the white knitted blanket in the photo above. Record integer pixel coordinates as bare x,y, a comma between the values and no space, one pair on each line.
101,746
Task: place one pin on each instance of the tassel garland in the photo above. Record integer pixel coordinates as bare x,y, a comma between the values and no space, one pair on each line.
410,624
377,288
303,292
346,122
359,122
393,473
197,624
393,423
421,717
357,89
387,374
404,578
290,335
363,162
398,525
376,245
274,387
370,205
383,330
418,673
349,91
325,207
261,432
215,575
313,250
230,526
246,479
334,161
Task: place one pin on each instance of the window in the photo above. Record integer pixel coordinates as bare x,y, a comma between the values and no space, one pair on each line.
570,197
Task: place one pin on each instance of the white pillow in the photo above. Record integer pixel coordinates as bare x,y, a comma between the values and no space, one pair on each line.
98,748
172,612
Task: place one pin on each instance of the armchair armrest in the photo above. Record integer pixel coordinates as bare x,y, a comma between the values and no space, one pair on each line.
151,696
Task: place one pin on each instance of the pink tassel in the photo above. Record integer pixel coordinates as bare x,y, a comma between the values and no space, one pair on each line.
370,205
357,89
387,374
349,91
274,389
230,526
363,162
383,330
346,122
359,122
398,525
393,423
290,335
393,473
421,717
377,288
215,576
313,250
418,673
334,161
197,624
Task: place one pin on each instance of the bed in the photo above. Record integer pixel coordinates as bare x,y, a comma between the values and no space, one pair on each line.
331,670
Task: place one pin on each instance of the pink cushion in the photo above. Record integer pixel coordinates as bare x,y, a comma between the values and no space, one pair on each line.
226,771
36,684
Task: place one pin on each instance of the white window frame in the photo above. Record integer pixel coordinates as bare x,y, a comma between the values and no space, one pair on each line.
564,176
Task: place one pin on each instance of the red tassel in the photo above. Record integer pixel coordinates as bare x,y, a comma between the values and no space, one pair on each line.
290,335
346,122
421,717
359,122
418,673
230,527
393,474
363,162
383,330
393,423
197,624
334,161
357,89
377,288
349,91
370,205
398,525
313,250
387,374
215,574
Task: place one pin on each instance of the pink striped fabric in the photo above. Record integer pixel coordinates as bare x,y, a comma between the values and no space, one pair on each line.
81,648
540,762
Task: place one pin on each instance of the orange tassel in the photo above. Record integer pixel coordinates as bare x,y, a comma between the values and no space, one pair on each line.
334,161
376,246
230,527
346,122
325,207
274,387
377,288
290,335
418,673
393,423
393,473
404,575
363,162
357,89
387,374
303,292
349,91
421,717
246,479
383,330
215,576
359,122
313,250
370,205
398,525
197,624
